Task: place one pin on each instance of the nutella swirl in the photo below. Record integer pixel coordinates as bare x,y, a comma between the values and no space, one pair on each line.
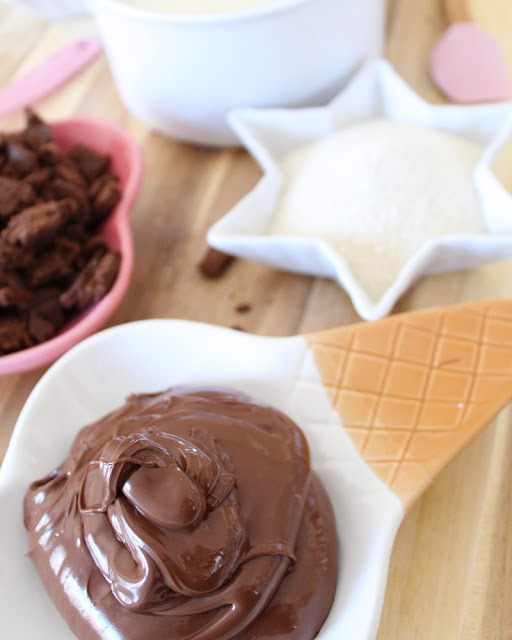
190,514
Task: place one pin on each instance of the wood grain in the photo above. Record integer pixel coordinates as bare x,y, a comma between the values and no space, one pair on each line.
456,10
451,568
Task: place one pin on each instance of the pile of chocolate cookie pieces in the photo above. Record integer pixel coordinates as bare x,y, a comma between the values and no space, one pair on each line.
53,263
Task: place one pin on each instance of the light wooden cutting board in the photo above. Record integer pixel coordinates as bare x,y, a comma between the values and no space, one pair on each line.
451,568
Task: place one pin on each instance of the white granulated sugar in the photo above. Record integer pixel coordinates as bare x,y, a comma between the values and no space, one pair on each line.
377,191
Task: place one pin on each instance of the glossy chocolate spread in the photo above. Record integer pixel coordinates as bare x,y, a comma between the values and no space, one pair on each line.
190,514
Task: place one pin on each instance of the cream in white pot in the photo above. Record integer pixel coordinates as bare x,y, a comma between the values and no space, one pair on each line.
181,72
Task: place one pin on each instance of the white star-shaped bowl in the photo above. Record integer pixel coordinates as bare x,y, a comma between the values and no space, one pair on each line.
375,91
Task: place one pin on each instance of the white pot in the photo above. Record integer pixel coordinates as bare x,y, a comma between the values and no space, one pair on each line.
182,72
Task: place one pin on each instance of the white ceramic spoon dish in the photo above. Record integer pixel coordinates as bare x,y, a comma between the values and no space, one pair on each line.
384,405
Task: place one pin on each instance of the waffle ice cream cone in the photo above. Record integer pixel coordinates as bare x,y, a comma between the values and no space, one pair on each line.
412,390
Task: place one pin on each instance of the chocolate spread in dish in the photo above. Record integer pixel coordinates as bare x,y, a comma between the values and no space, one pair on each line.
190,514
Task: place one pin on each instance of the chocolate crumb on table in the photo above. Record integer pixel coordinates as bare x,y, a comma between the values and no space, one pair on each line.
243,307
52,262
214,263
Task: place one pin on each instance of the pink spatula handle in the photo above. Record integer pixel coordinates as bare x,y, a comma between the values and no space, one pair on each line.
47,76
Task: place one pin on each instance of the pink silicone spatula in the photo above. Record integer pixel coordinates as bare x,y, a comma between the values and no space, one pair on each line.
49,75
467,64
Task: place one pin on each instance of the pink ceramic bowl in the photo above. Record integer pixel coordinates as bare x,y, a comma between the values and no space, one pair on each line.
128,164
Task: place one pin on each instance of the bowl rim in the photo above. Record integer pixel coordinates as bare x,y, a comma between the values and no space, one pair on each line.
163,18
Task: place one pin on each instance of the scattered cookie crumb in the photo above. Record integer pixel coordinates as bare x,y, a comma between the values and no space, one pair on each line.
214,263
243,307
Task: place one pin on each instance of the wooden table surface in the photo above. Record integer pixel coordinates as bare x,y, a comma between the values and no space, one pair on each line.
451,568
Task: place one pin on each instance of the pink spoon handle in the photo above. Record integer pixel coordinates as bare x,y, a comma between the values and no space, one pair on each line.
47,76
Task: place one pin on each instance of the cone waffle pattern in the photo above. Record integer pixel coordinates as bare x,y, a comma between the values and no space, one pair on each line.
413,389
